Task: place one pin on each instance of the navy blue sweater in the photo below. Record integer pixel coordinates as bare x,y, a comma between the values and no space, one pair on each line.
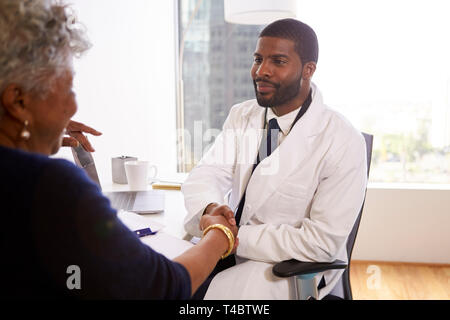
52,217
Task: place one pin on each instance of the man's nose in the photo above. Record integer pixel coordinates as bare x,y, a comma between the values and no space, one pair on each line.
264,70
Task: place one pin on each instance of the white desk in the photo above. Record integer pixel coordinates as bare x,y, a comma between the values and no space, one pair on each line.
174,211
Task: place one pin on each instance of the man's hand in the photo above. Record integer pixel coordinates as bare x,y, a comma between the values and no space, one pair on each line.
214,212
75,130
224,210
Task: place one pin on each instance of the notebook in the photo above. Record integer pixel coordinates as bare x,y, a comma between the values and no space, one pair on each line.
142,202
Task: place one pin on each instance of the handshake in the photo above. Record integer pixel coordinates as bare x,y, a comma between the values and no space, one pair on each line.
220,214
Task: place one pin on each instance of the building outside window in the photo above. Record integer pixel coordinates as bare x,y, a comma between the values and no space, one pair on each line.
217,57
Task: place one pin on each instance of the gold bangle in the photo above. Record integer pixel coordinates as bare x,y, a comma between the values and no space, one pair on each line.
227,232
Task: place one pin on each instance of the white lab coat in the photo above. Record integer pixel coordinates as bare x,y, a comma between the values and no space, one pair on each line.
301,201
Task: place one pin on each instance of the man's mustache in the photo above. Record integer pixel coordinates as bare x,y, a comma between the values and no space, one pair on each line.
260,80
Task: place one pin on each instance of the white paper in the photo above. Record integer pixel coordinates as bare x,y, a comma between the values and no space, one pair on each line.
166,244
136,222
161,242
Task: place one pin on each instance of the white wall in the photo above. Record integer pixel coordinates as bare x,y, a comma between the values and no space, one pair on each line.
405,224
125,84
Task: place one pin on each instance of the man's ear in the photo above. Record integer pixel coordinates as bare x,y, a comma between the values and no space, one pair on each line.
308,70
13,101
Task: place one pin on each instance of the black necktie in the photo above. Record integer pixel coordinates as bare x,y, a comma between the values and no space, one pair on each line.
268,144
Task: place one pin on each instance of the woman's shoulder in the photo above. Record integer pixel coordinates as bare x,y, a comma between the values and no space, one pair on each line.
63,175
33,168
20,160
31,160
62,167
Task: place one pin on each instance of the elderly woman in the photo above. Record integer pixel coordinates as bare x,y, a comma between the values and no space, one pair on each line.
52,215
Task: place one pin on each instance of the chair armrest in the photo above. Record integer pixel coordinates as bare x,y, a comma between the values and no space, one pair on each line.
290,268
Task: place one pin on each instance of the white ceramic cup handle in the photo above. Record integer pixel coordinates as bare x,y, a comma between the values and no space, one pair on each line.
151,177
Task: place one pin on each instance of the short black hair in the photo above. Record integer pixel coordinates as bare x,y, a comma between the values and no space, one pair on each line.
304,37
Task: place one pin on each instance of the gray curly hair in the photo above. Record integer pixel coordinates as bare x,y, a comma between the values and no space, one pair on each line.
38,39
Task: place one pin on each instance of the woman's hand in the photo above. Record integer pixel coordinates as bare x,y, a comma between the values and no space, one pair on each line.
221,215
76,137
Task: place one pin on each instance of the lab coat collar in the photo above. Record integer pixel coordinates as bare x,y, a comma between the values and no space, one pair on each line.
285,121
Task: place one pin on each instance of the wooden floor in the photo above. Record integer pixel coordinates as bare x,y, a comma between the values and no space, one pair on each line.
374,280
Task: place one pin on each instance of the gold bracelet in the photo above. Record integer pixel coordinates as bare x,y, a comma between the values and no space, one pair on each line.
227,232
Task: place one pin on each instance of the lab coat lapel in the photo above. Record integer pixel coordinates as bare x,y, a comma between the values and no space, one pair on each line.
291,154
250,140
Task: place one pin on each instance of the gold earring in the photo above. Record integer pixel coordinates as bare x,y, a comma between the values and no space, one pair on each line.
25,134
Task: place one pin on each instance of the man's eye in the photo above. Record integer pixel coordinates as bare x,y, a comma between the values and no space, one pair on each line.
277,61
257,60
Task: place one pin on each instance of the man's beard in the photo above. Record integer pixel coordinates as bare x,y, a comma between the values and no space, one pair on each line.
281,95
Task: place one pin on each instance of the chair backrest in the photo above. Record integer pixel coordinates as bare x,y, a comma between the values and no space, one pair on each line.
352,237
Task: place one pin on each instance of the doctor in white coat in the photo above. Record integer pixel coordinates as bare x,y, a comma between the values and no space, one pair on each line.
302,200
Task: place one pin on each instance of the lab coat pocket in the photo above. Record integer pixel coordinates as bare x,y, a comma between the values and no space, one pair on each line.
292,189
291,203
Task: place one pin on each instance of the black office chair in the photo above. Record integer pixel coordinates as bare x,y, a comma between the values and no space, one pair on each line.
304,272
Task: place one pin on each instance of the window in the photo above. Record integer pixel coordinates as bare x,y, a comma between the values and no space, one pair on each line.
383,64
216,61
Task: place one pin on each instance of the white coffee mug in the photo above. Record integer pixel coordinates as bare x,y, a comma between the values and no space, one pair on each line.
138,174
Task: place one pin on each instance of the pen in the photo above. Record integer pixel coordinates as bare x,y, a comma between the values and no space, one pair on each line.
144,232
